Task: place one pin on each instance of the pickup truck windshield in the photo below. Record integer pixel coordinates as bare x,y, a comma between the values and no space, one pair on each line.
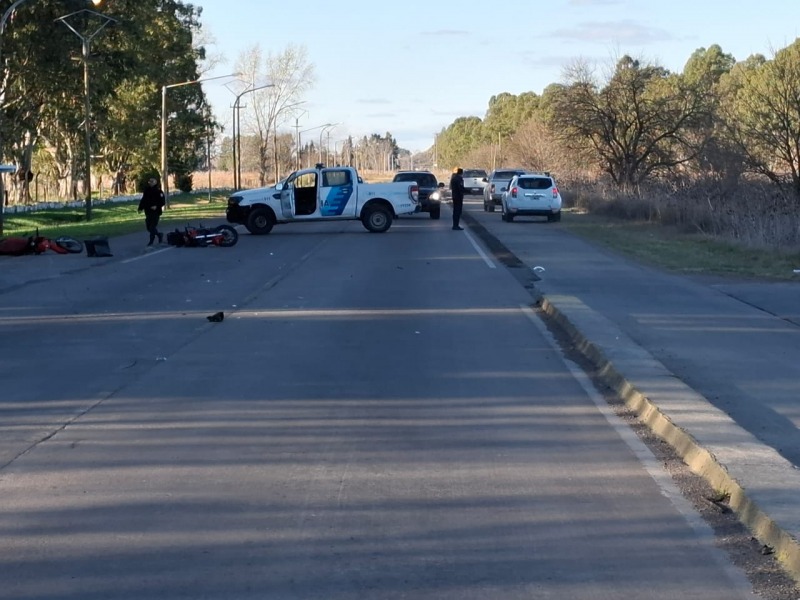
422,179
477,173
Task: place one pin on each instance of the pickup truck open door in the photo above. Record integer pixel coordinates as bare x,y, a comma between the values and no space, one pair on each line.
299,198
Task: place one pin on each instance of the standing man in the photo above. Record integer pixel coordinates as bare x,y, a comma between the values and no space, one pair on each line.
152,203
457,193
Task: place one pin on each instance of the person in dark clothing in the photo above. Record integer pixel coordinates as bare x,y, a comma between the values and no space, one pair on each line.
457,193
152,203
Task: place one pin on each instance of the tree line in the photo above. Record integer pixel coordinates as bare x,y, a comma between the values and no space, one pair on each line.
642,122
717,143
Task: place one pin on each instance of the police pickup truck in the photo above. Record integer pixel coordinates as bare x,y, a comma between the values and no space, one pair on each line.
323,194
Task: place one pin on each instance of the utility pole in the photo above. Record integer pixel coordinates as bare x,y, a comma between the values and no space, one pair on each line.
297,135
86,38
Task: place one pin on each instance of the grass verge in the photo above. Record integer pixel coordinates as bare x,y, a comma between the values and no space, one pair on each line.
680,252
114,219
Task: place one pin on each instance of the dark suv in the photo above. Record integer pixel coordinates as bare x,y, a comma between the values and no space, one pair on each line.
429,193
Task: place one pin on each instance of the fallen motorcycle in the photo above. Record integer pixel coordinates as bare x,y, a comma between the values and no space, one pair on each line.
36,244
194,237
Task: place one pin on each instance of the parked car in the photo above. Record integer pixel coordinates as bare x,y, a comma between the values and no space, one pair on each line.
495,186
429,193
531,194
474,181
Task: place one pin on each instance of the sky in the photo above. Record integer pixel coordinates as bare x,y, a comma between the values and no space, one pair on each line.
411,67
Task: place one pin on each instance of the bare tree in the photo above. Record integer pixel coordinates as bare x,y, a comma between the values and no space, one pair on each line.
289,75
637,124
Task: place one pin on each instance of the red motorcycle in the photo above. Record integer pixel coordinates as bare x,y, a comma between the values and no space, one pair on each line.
36,244
193,237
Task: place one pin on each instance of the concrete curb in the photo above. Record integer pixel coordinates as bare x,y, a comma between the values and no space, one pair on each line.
753,505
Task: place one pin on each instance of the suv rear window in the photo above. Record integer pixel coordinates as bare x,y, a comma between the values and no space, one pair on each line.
474,173
506,174
422,179
535,183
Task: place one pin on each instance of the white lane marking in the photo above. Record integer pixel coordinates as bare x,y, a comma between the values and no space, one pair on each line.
490,263
480,251
663,480
153,253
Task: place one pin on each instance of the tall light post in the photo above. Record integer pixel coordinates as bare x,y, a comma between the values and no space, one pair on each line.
237,134
3,21
86,41
309,129
275,132
164,88
297,135
324,127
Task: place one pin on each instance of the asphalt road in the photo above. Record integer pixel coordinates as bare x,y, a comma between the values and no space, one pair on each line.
378,416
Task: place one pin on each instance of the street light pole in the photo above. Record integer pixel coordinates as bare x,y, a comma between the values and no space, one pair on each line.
164,88
86,41
275,132
237,135
297,134
304,131
324,127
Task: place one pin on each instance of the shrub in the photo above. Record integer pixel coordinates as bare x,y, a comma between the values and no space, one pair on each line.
142,177
184,182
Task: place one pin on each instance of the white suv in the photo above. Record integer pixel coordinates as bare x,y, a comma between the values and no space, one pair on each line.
531,194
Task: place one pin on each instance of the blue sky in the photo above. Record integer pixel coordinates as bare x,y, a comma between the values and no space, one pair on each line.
412,67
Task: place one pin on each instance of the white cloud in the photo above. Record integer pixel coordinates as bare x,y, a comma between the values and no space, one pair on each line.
625,31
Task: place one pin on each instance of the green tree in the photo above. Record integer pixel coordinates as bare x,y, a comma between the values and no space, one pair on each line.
706,67
507,112
763,115
705,70
458,139
149,45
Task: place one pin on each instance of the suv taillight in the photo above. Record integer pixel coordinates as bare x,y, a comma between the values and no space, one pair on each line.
555,192
514,192
414,192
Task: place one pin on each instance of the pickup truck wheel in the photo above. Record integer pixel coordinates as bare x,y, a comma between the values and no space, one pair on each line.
436,211
260,221
377,219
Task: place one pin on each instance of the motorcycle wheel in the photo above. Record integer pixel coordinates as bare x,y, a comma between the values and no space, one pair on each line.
229,235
